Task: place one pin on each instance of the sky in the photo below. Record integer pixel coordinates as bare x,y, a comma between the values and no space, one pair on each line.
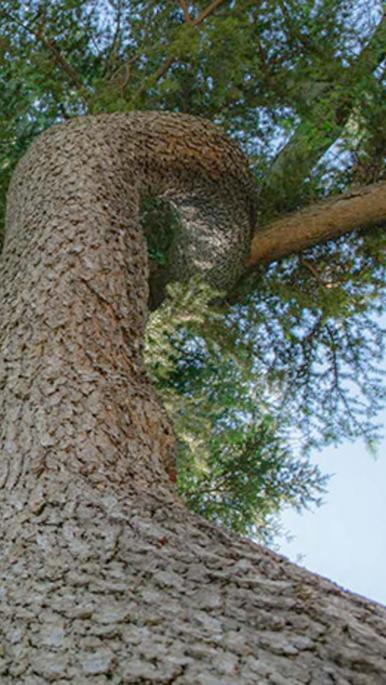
345,539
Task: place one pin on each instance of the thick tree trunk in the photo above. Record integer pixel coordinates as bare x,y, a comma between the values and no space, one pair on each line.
105,577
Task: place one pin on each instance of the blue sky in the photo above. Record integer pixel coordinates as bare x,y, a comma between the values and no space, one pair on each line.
345,539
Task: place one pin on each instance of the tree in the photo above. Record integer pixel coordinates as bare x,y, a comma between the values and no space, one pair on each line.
288,80
107,578
106,575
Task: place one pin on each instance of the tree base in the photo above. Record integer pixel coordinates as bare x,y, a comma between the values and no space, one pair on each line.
103,589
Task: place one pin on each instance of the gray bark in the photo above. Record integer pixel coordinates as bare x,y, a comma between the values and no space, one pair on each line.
105,577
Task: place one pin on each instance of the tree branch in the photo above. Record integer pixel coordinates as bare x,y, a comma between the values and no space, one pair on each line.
61,61
184,6
328,108
161,71
361,208
51,47
114,47
207,11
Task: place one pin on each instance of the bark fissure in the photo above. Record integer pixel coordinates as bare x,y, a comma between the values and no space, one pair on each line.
104,576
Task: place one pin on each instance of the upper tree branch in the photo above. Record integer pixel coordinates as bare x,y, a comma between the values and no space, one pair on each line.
329,105
59,59
362,208
161,71
185,9
114,47
207,11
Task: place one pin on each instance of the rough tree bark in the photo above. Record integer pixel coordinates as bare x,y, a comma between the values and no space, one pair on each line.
105,577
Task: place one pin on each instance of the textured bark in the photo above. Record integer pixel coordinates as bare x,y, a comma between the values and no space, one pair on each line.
105,577
363,208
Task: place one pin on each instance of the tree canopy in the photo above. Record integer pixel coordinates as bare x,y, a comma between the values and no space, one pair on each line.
289,361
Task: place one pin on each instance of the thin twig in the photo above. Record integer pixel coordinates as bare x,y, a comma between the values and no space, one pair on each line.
206,12
161,71
337,385
49,45
164,67
115,42
60,60
185,9
313,271
292,31
318,277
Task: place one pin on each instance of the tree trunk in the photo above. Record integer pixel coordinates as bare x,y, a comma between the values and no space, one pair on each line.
105,577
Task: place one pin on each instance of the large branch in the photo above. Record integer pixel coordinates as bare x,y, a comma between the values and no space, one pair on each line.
322,221
329,108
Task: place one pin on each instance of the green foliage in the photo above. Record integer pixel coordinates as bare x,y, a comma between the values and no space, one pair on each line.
293,362
160,224
248,477
315,331
235,464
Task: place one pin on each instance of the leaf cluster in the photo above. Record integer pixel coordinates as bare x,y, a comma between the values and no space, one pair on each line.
236,464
